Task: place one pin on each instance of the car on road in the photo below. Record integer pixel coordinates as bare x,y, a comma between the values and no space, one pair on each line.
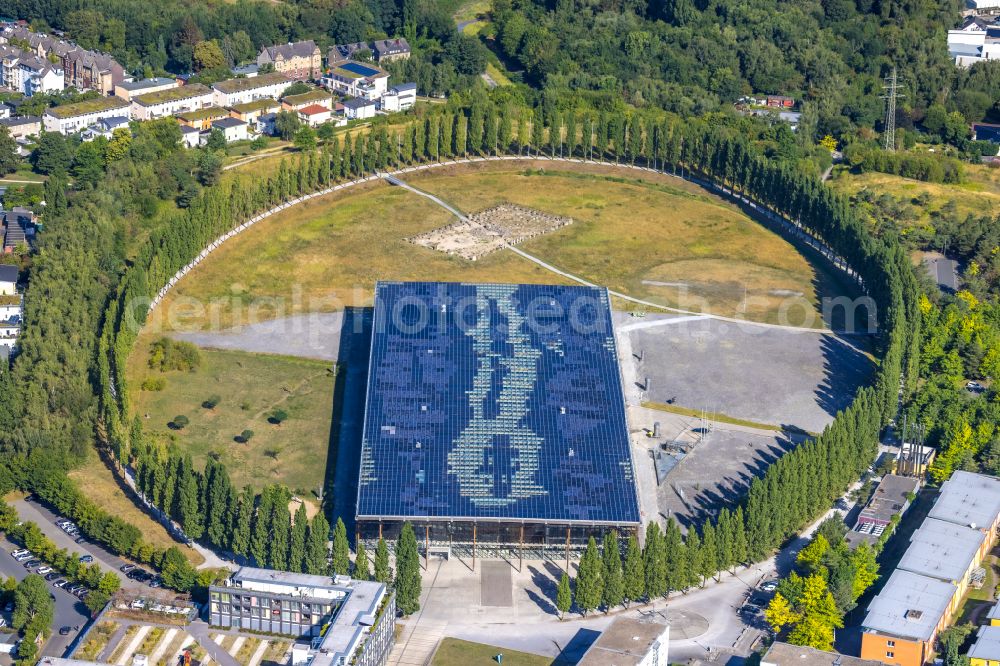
769,586
64,631
86,558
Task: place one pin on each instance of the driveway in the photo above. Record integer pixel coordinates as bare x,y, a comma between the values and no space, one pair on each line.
70,611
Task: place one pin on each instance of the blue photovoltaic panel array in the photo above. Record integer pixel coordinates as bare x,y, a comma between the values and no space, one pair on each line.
495,401
359,69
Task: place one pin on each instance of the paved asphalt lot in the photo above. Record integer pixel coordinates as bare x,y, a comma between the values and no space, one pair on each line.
70,611
39,514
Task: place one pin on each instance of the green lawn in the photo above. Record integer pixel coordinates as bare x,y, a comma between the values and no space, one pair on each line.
251,386
455,652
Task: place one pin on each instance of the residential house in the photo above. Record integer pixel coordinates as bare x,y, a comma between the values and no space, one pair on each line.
171,101
986,650
4,110
344,620
72,118
356,79
632,641
780,102
926,589
297,60
8,279
21,127
232,128
90,70
248,71
302,100
18,227
251,112
381,51
11,309
106,128
358,109
986,132
129,89
388,50
190,136
28,73
974,42
347,51
266,122
890,499
785,654
202,119
314,115
241,91
399,98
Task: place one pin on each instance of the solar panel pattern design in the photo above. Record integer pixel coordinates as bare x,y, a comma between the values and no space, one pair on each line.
495,401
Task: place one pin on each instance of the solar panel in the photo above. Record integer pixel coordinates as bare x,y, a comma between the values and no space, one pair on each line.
495,401
359,69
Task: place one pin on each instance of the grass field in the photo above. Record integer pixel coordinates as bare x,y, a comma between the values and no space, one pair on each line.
455,652
978,195
251,386
658,239
324,255
100,486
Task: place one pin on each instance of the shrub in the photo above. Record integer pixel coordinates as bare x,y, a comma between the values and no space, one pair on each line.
211,402
166,354
277,416
244,436
154,384
179,422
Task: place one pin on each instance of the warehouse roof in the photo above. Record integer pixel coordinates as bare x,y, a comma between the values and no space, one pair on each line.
909,606
942,550
987,645
968,499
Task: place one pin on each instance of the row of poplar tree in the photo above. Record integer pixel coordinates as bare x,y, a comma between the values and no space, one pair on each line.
792,491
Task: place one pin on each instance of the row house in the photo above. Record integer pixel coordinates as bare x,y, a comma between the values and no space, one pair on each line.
242,91
27,73
82,69
73,118
129,89
170,102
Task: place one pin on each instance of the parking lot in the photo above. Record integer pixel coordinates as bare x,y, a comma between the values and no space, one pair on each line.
46,519
69,610
767,375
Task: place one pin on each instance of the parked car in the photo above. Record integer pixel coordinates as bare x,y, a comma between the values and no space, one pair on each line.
125,568
17,553
24,557
86,558
81,539
59,583
44,570
32,563
769,586
156,582
51,576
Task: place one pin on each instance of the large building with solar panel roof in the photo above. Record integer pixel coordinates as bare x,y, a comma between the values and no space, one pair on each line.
495,420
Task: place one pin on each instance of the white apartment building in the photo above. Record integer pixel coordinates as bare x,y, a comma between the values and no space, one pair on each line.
129,89
975,41
170,102
357,79
72,118
28,73
241,91
399,98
